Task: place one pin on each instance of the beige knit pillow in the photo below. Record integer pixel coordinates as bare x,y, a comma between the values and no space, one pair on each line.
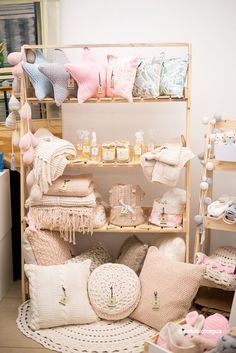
114,291
48,247
98,255
132,253
168,288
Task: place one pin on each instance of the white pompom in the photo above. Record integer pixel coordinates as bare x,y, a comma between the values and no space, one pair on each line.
15,138
28,156
10,121
198,219
30,179
204,185
213,121
205,120
14,104
210,166
25,112
35,193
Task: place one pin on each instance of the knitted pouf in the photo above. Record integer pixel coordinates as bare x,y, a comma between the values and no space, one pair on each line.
114,291
104,336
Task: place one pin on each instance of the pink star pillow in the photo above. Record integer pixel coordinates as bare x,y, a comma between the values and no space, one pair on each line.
121,74
90,77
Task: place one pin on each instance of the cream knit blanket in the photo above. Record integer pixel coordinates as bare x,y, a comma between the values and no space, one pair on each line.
50,160
65,201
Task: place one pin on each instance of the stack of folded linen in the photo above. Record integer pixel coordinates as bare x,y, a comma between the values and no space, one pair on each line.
223,208
71,204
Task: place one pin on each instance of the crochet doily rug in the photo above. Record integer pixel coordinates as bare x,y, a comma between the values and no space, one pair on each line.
124,336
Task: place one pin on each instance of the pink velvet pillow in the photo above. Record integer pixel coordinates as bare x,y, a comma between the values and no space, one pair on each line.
121,74
90,77
168,288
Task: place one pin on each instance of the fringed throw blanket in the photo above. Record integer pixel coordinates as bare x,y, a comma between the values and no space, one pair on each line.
50,160
67,220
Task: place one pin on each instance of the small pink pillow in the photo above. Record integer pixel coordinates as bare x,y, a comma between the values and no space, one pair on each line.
121,74
90,77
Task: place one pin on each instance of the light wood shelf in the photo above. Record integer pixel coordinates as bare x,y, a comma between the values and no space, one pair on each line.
219,224
112,100
221,165
28,94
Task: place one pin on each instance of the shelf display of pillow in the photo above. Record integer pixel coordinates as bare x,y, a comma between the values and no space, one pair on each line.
173,76
42,86
172,247
63,84
59,295
148,77
121,74
168,288
132,253
90,77
98,255
48,247
220,267
114,291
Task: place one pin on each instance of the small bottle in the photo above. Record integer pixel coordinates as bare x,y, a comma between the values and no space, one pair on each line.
122,152
86,145
94,150
80,136
108,152
139,147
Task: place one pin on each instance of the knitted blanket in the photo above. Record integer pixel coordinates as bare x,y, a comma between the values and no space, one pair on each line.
72,185
50,160
64,201
67,220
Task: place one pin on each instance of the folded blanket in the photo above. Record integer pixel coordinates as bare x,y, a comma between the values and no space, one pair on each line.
50,160
64,201
67,220
160,165
72,185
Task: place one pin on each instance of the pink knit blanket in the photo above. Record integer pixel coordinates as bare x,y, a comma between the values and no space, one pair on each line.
66,220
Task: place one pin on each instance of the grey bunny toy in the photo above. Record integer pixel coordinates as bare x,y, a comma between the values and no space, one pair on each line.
227,343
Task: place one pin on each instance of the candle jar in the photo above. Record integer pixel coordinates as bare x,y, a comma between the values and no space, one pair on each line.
108,152
123,152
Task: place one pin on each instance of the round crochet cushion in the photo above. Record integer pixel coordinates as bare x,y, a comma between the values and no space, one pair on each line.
114,291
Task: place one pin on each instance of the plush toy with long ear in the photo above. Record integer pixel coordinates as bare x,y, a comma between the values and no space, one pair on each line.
227,343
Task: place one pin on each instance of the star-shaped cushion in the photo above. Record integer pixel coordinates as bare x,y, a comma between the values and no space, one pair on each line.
40,82
90,77
63,85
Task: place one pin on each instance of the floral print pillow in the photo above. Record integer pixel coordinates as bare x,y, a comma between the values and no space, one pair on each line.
173,76
148,77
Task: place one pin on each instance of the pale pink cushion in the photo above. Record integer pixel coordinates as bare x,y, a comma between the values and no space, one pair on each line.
89,76
121,74
175,284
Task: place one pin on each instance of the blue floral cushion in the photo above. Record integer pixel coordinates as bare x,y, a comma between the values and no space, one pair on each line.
173,76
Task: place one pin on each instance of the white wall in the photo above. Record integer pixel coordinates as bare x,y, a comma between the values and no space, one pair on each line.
211,28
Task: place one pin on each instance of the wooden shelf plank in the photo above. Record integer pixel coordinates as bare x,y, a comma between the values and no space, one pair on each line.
112,100
212,223
79,163
221,165
143,228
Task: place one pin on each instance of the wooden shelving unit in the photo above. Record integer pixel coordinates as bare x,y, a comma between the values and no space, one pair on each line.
211,223
27,94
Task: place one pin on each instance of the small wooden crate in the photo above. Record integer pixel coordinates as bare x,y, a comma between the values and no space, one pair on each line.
151,347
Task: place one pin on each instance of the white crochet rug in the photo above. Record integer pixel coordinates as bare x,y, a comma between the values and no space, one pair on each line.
124,336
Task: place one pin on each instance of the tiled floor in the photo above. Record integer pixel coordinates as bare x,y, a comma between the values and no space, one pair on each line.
11,339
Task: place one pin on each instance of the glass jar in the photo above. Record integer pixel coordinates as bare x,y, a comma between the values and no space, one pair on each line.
108,152
123,152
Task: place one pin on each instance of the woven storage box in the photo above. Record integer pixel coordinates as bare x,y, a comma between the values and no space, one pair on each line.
114,291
